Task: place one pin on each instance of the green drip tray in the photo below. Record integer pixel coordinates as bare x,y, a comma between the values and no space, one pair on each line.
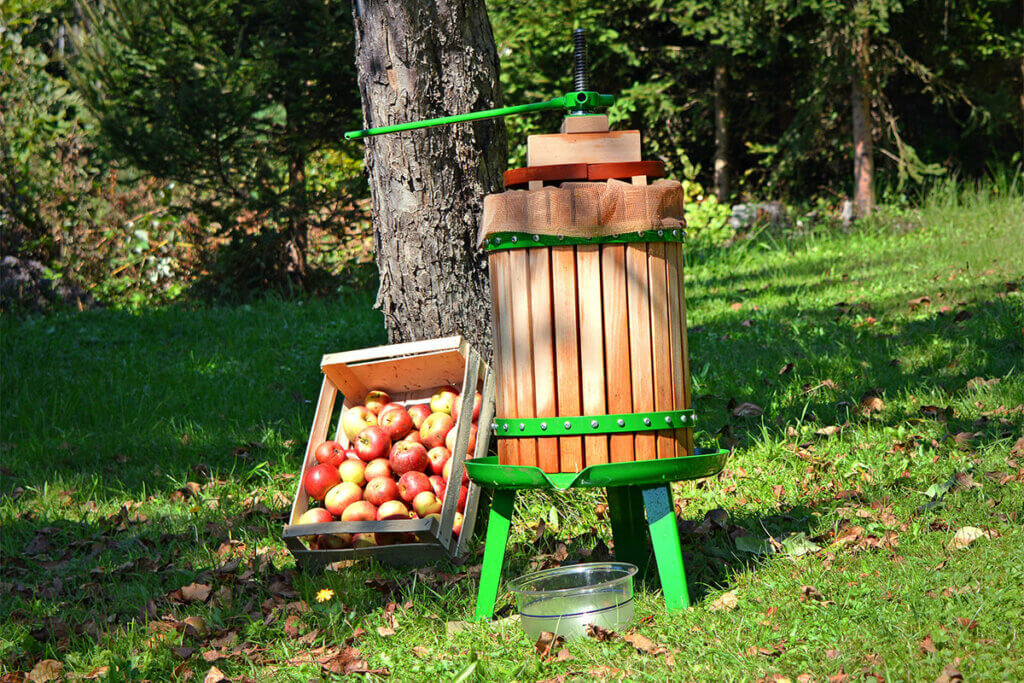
489,473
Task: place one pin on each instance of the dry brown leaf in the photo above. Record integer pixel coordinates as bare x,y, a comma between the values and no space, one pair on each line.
832,654
919,301
214,675
196,627
927,645
421,652
950,674
644,644
349,660
211,656
226,640
46,670
547,642
969,624
195,592
564,655
747,409
840,677
828,431
728,601
599,633
871,403
384,631
965,536
291,626
97,673
787,368
605,672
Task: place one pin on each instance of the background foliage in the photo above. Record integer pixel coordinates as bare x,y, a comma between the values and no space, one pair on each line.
152,149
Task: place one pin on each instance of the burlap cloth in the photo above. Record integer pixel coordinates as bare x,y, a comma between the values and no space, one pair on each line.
584,209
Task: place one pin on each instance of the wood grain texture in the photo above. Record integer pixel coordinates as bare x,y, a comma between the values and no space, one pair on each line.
522,333
661,352
638,302
567,355
504,350
545,395
616,346
592,376
687,398
590,148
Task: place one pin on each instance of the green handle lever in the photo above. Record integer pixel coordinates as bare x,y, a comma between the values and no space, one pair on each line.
574,102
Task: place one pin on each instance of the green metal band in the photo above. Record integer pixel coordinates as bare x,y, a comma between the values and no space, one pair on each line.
593,424
519,240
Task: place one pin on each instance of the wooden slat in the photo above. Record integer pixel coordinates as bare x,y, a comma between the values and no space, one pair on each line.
661,353
687,398
677,335
639,306
391,351
616,345
588,280
317,435
504,350
589,148
567,356
545,394
522,333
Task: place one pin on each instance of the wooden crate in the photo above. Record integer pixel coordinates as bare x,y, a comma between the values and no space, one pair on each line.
410,373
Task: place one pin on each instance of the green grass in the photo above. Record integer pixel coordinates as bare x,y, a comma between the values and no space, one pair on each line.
107,415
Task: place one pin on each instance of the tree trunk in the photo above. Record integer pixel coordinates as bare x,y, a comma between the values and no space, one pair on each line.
863,148
721,133
418,59
298,221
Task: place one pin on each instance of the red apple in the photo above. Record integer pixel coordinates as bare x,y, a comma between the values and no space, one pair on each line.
375,469
341,496
313,542
477,400
381,490
333,541
443,399
463,494
395,421
330,452
447,473
419,413
360,511
376,400
407,456
424,537
320,479
435,428
411,484
365,540
413,436
372,443
437,483
426,503
385,538
351,454
457,524
353,471
393,509
438,457
355,420
449,441
315,516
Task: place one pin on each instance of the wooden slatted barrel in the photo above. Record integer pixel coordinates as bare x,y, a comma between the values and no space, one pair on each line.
589,315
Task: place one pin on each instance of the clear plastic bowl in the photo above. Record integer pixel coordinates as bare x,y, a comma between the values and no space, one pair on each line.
565,600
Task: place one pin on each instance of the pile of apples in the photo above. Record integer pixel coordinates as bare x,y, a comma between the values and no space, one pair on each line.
397,466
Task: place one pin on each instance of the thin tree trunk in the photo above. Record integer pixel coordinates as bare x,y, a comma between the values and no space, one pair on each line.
418,59
721,133
863,148
298,222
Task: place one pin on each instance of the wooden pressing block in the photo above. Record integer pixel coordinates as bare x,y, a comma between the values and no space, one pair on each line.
588,148
587,123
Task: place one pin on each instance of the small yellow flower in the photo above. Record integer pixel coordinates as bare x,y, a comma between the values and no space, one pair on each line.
324,595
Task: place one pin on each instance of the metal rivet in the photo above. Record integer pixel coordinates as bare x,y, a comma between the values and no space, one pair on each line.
561,237
568,425
543,425
593,423
639,233
497,240
522,426
622,423
505,427
536,238
693,418
494,426
514,239
661,233
675,233
668,419
647,421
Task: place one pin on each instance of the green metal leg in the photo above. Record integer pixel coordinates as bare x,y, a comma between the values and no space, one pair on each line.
661,519
629,528
498,523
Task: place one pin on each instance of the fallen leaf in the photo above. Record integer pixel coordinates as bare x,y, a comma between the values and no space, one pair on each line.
599,633
735,306
728,601
349,660
546,642
564,655
196,627
97,673
969,624
291,626
787,368
927,645
747,409
421,652
920,301
226,640
384,631
644,644
605,672
195,592
978,383
453,627
950,674
214,675
965,536
840,677
211,656
810,593
828,431
46,670
832,654
183,652
871,403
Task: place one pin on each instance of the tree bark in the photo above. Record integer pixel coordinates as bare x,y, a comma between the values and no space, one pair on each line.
863,147
418,59
721,133
298,222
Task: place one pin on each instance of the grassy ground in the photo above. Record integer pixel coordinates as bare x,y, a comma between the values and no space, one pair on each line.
143,453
